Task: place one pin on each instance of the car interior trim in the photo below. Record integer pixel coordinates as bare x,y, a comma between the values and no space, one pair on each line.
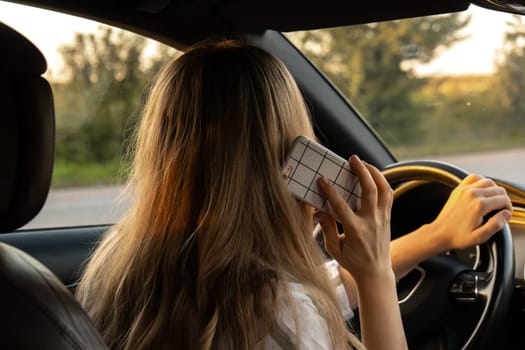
420,280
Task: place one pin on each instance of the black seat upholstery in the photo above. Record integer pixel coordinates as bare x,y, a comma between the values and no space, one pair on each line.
36,309
38,312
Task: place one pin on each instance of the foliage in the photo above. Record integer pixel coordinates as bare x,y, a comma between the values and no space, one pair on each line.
67,174
373,65
99,94
511,75
464,117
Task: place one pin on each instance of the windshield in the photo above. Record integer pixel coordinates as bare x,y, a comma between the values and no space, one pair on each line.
445,87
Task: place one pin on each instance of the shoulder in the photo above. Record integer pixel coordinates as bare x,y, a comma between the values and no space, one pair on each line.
298,322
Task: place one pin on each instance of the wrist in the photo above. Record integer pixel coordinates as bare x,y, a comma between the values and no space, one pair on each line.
379,277
437,238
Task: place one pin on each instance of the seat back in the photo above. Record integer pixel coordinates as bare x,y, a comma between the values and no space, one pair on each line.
36,309
38,312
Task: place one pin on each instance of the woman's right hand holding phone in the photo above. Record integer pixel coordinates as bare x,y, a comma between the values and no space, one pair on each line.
364,247
364,251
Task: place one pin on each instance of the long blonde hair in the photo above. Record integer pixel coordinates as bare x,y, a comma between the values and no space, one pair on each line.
204,253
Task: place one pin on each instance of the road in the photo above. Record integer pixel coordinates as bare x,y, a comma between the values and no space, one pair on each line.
102,205
506,165
82,206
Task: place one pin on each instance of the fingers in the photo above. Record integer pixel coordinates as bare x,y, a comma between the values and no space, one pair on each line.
490,196
484,183
490,191
476,180
339,206
366,180
375,189
367,230
470,179
385,193
490,203
493,225
480,182
332,238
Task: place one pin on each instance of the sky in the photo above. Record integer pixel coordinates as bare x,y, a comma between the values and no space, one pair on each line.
474,55
26,19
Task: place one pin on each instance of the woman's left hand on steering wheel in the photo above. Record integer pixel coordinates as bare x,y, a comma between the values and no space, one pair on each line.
461,223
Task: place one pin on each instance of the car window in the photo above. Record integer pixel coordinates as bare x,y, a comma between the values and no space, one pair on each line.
445,87
98,75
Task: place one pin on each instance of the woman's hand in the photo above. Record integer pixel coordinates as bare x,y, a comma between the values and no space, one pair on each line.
364,247
364,250
461,223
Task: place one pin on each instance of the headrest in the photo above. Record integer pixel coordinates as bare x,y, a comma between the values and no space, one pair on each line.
19,55
27,130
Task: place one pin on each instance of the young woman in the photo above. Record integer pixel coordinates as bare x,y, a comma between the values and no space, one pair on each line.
215,253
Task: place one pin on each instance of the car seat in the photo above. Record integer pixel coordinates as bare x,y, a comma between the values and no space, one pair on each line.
36,309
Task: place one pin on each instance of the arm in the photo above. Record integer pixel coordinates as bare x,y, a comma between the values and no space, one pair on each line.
459,225
364,251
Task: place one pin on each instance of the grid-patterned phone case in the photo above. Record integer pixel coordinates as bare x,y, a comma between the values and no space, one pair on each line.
306,162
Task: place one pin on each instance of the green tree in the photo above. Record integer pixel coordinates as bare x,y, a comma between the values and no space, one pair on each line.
99,94
511,75
373,65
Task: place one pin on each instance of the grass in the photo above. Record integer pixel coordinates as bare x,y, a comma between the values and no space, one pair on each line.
66,174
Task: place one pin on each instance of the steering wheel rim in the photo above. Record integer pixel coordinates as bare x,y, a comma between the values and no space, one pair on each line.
500,246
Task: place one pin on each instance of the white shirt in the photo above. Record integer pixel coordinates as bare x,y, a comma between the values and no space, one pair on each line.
313,330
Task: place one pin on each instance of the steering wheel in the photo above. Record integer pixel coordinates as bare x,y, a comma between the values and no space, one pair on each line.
447,303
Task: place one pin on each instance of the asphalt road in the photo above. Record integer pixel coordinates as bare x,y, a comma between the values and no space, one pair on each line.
506,165
102,205
81,207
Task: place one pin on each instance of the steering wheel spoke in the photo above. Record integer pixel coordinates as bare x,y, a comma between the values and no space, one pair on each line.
470,287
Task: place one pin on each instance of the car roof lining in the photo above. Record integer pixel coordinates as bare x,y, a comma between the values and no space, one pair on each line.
183,22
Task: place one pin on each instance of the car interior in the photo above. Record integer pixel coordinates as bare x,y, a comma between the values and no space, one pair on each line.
29,290
445,304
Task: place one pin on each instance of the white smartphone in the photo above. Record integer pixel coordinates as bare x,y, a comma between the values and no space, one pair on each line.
307,162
